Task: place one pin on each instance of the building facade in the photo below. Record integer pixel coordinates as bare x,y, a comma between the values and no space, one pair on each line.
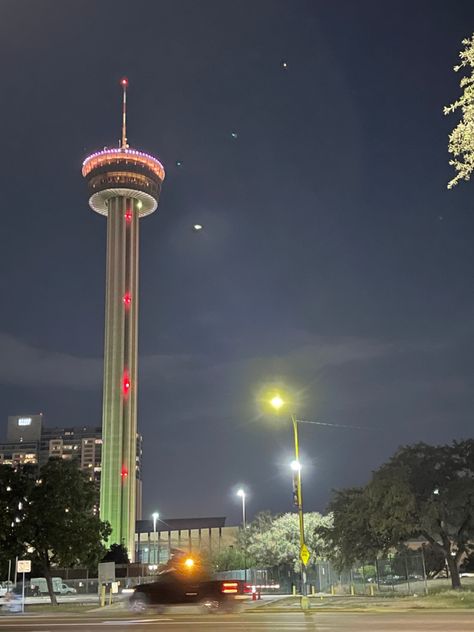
29,441
204,536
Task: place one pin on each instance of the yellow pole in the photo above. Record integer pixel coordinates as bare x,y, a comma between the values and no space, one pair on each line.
102,595
299,494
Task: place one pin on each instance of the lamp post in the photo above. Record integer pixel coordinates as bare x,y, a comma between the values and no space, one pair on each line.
241,493
277,402
155,515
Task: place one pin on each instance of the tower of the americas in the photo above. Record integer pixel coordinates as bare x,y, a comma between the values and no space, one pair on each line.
124,185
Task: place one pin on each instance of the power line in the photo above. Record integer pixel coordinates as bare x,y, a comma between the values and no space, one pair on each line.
324,423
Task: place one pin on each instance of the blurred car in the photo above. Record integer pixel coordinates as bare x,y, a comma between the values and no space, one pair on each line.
185,581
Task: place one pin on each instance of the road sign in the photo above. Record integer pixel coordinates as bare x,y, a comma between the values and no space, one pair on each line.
106,572
23,566
304,554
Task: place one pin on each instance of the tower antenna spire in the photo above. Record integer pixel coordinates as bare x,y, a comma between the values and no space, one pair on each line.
124,84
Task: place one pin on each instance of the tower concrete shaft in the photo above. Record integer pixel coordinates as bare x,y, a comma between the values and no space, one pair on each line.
119,418
124,185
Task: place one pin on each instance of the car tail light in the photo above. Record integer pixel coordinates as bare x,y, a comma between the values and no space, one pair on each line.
230,588
248,589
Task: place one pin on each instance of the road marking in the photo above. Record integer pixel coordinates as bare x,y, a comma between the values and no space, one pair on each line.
133,621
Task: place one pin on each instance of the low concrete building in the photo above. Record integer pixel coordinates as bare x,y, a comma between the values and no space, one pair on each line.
206,536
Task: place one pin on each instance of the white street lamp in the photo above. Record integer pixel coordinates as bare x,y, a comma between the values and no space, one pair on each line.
242,495
155,515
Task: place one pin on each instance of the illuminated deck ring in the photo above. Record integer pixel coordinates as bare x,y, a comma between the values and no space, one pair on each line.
125,155
99,201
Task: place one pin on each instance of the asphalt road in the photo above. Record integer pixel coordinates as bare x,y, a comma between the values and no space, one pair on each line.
251,622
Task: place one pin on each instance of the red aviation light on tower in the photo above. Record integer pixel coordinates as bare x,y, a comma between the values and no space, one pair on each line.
123,473
124,82
126,384
127,299
128,216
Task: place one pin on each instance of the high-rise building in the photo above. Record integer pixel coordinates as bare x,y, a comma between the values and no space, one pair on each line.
124,185
22,428
30,442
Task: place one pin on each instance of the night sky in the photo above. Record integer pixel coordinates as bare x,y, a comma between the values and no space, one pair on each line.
332,257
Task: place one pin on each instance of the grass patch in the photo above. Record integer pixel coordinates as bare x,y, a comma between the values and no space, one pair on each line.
463,598
68,608
443,600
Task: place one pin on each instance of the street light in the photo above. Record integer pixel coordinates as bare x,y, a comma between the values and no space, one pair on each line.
241,493
277,402
155,515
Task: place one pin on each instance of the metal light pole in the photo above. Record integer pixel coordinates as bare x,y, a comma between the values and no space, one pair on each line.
277,402
242,495
296,467
155,517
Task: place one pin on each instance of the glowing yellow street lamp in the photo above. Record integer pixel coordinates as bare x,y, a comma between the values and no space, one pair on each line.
277,402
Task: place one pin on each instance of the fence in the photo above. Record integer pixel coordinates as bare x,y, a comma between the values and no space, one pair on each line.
398,575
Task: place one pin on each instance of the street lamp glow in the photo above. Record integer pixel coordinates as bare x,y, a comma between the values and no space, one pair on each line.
277,402
241,493
155,515
295,466
189,562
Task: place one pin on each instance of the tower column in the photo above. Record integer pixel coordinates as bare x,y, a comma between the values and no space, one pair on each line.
119,425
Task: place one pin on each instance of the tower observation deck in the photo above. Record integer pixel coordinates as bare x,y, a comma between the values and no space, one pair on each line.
124,185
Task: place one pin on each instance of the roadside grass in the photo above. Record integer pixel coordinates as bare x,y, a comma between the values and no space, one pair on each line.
463,598
69,608
440,600
116,611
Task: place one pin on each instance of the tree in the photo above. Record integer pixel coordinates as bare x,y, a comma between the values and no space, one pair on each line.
422,491
350,538
14,485
61,525
434,560
276,541
232,558
117,553
461,140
